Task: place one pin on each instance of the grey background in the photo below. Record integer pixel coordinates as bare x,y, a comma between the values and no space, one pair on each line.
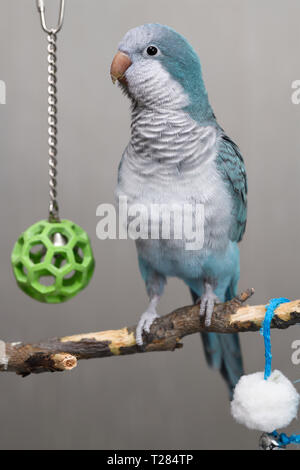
250,55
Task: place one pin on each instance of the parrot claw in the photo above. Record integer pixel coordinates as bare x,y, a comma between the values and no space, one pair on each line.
145,322
207,302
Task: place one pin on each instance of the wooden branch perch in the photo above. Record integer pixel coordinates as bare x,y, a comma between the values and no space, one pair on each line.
60,354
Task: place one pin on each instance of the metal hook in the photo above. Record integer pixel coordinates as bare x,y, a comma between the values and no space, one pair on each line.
41,8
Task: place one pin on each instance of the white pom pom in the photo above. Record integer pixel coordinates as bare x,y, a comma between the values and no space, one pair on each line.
265,405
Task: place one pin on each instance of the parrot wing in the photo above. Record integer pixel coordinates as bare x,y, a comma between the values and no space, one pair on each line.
223,351
231,165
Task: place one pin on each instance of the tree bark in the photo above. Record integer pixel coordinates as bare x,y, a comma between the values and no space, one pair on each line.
61,354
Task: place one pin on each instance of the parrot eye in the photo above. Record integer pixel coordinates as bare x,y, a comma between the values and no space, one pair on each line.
152,50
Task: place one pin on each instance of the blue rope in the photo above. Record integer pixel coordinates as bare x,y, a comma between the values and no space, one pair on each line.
266,332
282,439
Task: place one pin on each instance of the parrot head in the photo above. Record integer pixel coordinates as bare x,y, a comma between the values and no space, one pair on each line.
157,67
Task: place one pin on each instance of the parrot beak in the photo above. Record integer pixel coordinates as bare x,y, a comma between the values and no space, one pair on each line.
120,64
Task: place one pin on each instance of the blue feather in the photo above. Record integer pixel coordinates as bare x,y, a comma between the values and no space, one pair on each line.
223,351
230,164
178,57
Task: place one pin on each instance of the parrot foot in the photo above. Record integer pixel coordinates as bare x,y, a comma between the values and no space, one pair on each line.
146,321
207,302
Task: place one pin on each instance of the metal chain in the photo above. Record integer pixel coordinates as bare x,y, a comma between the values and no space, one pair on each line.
52,129
52,105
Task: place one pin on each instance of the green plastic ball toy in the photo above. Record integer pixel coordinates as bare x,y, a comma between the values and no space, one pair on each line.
53,261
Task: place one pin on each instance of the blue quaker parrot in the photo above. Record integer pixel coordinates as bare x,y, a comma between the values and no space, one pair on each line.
178,153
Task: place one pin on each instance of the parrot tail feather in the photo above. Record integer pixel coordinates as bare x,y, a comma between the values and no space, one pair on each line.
223,353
